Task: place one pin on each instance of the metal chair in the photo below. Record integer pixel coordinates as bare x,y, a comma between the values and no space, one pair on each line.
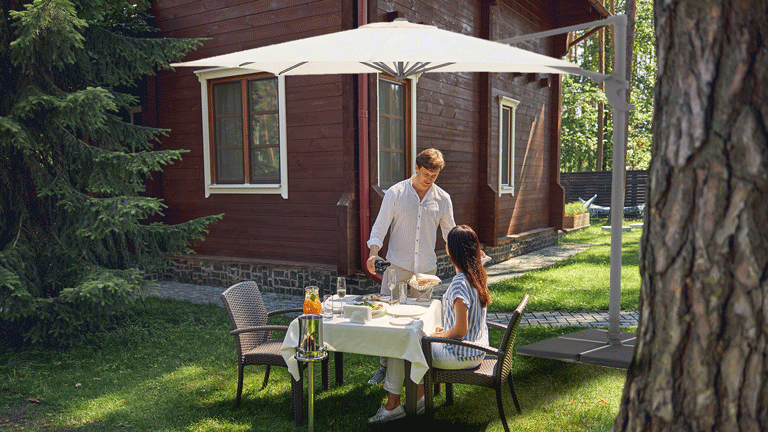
253,336
495,369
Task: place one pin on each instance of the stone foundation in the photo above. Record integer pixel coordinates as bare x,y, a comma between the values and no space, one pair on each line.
288,278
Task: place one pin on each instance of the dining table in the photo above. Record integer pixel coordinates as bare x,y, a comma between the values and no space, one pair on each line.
395,332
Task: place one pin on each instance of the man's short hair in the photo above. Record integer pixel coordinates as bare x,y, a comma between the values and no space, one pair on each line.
431,159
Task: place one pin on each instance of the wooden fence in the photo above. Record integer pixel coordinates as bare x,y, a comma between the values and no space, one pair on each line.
586,184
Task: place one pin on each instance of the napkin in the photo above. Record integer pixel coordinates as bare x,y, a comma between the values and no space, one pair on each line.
351,309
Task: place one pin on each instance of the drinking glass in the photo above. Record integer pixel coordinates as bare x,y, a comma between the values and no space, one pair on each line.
341,292
402,292
328,306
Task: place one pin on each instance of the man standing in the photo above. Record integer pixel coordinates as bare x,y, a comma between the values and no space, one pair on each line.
411,210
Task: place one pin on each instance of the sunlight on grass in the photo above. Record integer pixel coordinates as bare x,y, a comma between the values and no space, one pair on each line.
580,282
177,371
218,424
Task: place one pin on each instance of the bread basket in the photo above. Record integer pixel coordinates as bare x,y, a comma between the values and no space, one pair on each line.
423,284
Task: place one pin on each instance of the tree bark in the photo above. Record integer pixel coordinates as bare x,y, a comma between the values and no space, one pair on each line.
701,362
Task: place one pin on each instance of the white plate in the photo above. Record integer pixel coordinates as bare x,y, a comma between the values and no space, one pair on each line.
338,303
406,310
376,313
402,321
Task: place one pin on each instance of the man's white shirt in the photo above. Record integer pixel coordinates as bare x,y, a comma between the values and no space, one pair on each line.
413,223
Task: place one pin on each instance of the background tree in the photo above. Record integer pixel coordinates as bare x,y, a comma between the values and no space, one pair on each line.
581,98
701,362
75,230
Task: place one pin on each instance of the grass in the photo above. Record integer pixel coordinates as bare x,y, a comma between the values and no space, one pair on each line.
579,282
170,366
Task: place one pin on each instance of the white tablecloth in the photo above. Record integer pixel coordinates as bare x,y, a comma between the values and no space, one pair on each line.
376,338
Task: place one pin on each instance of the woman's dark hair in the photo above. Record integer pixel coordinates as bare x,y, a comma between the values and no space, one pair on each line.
464,252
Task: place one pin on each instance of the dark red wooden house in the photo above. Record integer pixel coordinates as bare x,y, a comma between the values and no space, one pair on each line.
299,165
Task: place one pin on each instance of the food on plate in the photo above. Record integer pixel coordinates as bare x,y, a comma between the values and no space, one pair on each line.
376,297
377,309
373,306
423,282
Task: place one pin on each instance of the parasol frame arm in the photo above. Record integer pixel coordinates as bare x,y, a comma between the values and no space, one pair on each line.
404,69
616,19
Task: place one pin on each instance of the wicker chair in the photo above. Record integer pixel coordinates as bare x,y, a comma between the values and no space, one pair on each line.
255,345
493,372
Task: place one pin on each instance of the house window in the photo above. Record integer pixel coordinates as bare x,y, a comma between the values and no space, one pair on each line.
395,130
507,109
244,132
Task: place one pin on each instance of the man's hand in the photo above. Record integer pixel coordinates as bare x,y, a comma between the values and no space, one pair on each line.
374,255
371,263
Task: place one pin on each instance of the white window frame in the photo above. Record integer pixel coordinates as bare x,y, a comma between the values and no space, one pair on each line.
511,104
246,188
408,169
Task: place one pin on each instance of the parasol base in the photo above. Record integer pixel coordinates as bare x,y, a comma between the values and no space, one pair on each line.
587,346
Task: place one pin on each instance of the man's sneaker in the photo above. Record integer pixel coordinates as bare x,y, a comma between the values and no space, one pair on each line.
382,415
378,378
420,406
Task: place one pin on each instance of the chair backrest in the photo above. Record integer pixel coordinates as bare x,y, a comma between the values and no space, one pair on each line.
504,365
246,309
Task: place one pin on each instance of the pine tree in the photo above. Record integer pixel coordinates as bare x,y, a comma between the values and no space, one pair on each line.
77,233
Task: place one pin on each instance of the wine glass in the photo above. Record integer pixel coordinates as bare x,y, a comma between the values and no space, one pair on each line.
341,291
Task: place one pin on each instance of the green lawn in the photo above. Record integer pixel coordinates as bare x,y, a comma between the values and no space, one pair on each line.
170,366
580,282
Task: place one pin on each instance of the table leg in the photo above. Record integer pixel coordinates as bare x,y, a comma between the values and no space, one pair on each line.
410,390
325,373
311,404
338,359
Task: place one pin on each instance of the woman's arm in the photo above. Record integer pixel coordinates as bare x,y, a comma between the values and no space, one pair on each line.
461,326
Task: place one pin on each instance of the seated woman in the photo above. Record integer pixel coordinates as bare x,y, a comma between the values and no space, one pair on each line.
464,312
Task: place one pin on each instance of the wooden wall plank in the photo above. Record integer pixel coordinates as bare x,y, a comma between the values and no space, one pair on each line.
321,119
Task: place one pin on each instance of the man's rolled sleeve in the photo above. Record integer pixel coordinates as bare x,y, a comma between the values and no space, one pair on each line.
447,221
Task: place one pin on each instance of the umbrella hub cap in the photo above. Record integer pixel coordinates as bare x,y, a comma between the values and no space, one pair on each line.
397,23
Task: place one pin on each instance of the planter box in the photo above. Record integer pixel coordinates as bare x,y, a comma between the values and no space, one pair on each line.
577,221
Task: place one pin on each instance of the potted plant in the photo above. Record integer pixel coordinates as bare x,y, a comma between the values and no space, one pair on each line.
576,216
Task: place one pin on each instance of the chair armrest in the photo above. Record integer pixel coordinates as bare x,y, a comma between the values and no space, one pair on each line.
285,311
428,340
496,325
259,328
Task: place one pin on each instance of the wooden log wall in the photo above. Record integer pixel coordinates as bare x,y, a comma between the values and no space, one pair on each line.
457,113
535,132
450,110
309,226
447,107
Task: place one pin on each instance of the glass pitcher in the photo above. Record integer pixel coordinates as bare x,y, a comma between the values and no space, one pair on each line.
312,303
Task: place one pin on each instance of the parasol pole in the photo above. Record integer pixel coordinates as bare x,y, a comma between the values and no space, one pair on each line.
615,92
617,181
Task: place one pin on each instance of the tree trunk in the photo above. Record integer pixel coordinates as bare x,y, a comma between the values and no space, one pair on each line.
701,362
